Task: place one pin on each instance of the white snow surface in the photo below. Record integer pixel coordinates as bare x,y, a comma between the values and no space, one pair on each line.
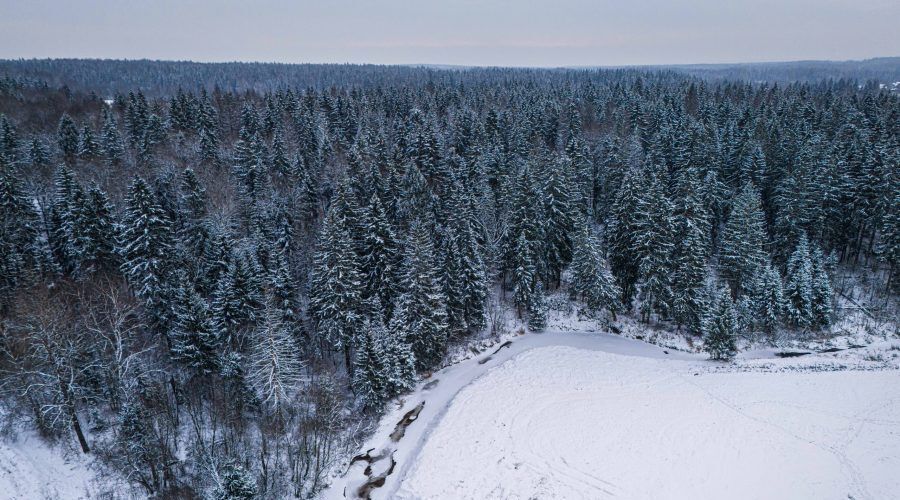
31,469
577,415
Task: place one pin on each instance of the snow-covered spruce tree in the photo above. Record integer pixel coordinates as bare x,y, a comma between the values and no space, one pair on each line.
401,366
275,369
523,275
88,146
888,247
560,205
822,293
237,300
742,251
235,483
767,299
381,257
799,286
423,303
622,231
110,141
193,340
720,327
145,244
19,254
98,233
592,280
465,280
692,242
369,366
537,308
337,286
655,242
67,139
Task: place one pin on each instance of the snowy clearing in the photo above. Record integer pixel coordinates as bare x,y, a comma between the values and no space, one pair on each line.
31,469
573,415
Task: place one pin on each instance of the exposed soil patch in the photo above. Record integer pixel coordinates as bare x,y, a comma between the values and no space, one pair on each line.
404,422
792,354
505,344
365,491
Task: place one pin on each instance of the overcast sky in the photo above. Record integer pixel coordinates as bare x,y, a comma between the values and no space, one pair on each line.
466,32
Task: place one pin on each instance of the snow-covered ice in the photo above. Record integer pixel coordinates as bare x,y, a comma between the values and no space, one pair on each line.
574,415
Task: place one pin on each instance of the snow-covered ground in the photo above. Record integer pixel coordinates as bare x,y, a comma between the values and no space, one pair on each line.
579,415
30,469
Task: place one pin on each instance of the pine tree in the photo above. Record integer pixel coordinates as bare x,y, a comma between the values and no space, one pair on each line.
88,147
560,199
98,233
720,328
799,286
145,247
19,254
537,309
237,300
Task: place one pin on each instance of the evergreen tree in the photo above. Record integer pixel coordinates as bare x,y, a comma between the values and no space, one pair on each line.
742,251
720,328
822,292
767,299
145,246
381,257
235,484
67,139
424,305
369,368
799,286
110,140
194,340
337,286
401,365
592,280
88,146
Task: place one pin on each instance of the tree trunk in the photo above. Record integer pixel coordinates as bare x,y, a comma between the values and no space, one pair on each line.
76,425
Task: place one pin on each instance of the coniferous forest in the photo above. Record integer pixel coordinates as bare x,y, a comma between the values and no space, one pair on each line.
214,279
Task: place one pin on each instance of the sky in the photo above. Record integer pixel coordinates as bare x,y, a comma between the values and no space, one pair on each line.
462,32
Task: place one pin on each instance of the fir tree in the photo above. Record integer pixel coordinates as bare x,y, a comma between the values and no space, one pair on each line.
767,298
275,366
822,292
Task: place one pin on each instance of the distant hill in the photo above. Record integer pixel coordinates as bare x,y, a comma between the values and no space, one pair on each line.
885,70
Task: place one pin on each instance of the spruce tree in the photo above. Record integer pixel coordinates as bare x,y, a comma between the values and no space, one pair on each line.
194,340
799,286
67,139
424,304
337,286
592,280
822,293
742,251
369,368
720,328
